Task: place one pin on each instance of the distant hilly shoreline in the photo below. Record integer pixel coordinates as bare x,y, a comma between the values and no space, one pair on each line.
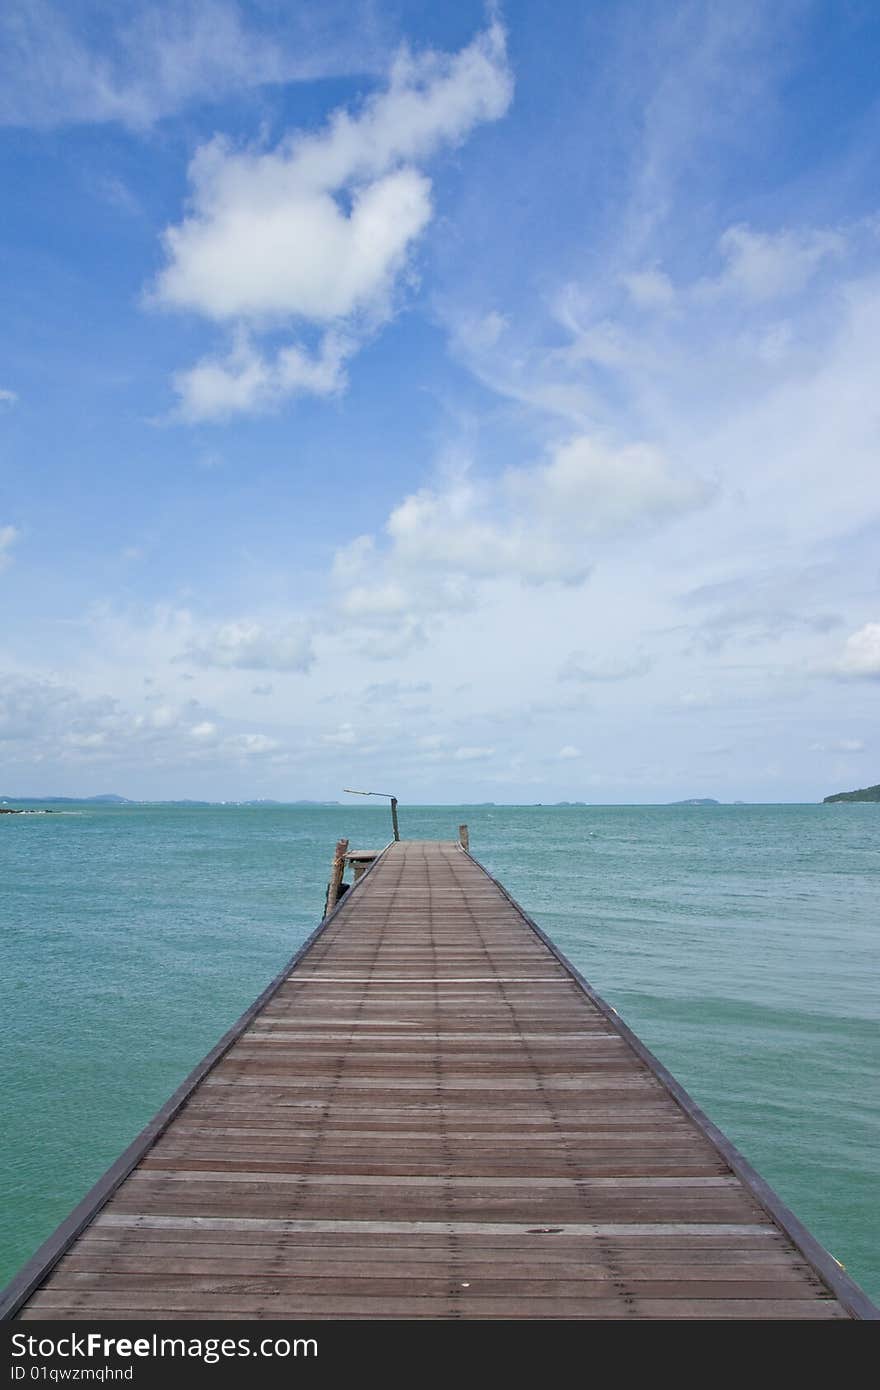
110,799
863,794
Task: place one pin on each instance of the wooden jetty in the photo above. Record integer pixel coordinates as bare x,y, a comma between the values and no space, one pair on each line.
430,1114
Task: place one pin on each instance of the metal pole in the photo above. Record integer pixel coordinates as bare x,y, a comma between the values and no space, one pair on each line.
393,799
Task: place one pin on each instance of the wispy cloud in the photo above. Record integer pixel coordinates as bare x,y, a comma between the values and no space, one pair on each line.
56,724
538,525
839,745
396,692
763,266
253,646
706,75
138,64
8,536
860,659
759,606
584,668
467,754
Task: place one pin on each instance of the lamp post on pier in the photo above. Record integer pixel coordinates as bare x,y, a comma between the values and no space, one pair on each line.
393,799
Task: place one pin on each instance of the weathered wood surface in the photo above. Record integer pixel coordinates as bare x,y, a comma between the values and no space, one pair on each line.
360,860
337,869
430,1118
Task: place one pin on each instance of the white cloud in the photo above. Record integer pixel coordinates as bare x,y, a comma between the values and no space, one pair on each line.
771,265
93,740
758,267
205,731
396,692
650,289
8,397
531,522
319,229
478,334
472,754
27,705
773,406
582,668
840,745
759,606
394,640
252,646
8,536
136,64
44,722
597,489
251,745
455,530
50,717
861,654
694,699
267,244
536,525
245,380
116,193
343,737
376,601
163,717
568,753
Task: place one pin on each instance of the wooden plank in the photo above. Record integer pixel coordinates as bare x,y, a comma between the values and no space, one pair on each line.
359,1262
712,1230
422,1285
635,1186
156,1303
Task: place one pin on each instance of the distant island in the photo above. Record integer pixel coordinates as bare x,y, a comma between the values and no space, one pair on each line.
108,800
863,794
111,799
697,801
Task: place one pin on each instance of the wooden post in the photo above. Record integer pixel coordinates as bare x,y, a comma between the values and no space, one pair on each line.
463,837
394,824
336,873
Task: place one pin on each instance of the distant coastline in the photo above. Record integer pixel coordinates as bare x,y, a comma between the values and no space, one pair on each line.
863,794
113,800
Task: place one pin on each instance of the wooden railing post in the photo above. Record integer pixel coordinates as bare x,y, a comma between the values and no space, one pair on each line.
463,837
336,873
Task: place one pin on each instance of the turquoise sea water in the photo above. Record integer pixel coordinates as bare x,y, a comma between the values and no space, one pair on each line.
740,942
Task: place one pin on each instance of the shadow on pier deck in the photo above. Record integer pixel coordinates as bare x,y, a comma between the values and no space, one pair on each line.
429,1115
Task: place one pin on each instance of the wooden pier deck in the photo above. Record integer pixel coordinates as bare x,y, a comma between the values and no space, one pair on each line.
431,1116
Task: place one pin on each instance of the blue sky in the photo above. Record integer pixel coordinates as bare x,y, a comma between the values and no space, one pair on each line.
481,402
